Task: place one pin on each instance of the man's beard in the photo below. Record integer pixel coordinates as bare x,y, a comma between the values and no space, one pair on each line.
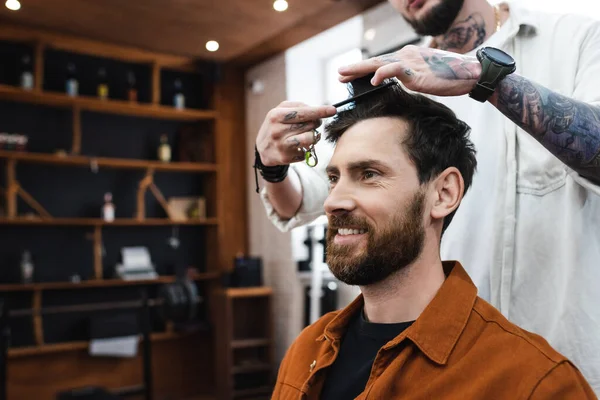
387,252
438,20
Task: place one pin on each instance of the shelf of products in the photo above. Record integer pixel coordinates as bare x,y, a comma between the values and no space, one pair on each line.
124,163
83,345
19,287
97,222
109,106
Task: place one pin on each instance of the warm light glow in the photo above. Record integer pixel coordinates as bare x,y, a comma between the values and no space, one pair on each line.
211,45
13,5
370,34
280,5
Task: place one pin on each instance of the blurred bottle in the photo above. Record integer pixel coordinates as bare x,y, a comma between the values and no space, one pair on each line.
108,210
179,98
164,149
72,84
102,84
26,267
132,93
26,73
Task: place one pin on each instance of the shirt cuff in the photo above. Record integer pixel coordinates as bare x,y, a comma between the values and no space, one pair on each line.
314,193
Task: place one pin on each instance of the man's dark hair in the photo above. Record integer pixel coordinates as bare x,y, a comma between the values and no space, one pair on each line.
436,140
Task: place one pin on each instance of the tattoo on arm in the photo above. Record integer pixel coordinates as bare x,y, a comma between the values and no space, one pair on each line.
570,129
451,67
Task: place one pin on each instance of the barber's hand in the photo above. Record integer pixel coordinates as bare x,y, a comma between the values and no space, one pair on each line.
286,128
423,70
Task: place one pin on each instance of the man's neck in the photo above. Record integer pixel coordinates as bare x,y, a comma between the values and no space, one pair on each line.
475,23
403,296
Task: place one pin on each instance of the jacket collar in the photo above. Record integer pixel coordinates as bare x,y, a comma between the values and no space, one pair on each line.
439,326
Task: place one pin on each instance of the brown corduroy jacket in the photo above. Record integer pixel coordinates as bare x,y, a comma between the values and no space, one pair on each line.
459,348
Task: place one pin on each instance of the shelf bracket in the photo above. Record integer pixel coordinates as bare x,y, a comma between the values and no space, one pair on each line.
76,144
145,183
14,189
98,252
38,328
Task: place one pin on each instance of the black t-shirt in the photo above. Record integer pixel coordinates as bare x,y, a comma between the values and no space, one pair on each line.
348,375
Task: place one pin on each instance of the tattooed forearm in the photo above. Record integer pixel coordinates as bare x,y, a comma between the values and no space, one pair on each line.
451,67
470,31
570,129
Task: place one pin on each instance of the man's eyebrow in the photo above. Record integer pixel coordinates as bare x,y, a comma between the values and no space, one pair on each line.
366,164
358,166
332,169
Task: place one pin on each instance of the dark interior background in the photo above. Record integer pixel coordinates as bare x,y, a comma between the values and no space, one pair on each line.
60,252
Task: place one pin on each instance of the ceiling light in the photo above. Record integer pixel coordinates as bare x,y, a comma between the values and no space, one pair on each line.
211,45
13,5
370,34
280,5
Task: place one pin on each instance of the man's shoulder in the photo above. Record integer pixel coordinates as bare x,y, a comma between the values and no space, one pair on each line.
315,330
528,346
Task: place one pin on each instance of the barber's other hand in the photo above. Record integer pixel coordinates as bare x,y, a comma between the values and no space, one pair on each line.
423,70
286,128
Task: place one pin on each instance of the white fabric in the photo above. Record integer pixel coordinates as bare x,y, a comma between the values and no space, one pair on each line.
528,231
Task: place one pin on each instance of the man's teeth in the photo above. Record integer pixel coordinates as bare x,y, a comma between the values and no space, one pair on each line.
345,231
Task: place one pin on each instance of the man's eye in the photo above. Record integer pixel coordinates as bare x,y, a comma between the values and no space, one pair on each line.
369,174
333,179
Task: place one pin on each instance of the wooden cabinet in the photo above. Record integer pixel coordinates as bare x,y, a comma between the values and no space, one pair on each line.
245,368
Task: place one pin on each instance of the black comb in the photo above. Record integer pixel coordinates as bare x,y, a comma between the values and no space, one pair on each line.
366,93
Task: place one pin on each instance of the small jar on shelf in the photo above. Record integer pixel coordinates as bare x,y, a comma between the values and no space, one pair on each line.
102,88
164,149
26,73
132,94
178,98
108,210
72,84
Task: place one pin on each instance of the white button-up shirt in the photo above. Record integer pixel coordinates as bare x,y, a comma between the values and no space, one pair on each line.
528,230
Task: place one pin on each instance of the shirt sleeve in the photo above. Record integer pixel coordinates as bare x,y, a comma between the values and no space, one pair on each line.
315,187
563,382
587,82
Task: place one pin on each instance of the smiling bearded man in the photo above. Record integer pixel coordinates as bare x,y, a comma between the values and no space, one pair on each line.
400,168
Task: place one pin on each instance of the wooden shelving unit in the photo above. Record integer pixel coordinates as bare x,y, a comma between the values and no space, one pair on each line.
245,337
104,162
97,222
109,106
100,283
224,236
82,345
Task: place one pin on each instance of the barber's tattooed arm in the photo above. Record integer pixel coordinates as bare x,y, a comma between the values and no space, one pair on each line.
570,129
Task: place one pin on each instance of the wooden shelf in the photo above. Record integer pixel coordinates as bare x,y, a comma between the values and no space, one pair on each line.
83,345
247,343
110,106
249,291
123,163
253,391
257,367
19,287
99,222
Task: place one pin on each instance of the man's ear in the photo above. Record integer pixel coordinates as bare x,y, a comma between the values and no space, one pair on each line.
448,192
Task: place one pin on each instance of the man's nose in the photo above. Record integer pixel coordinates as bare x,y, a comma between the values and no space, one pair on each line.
340,200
